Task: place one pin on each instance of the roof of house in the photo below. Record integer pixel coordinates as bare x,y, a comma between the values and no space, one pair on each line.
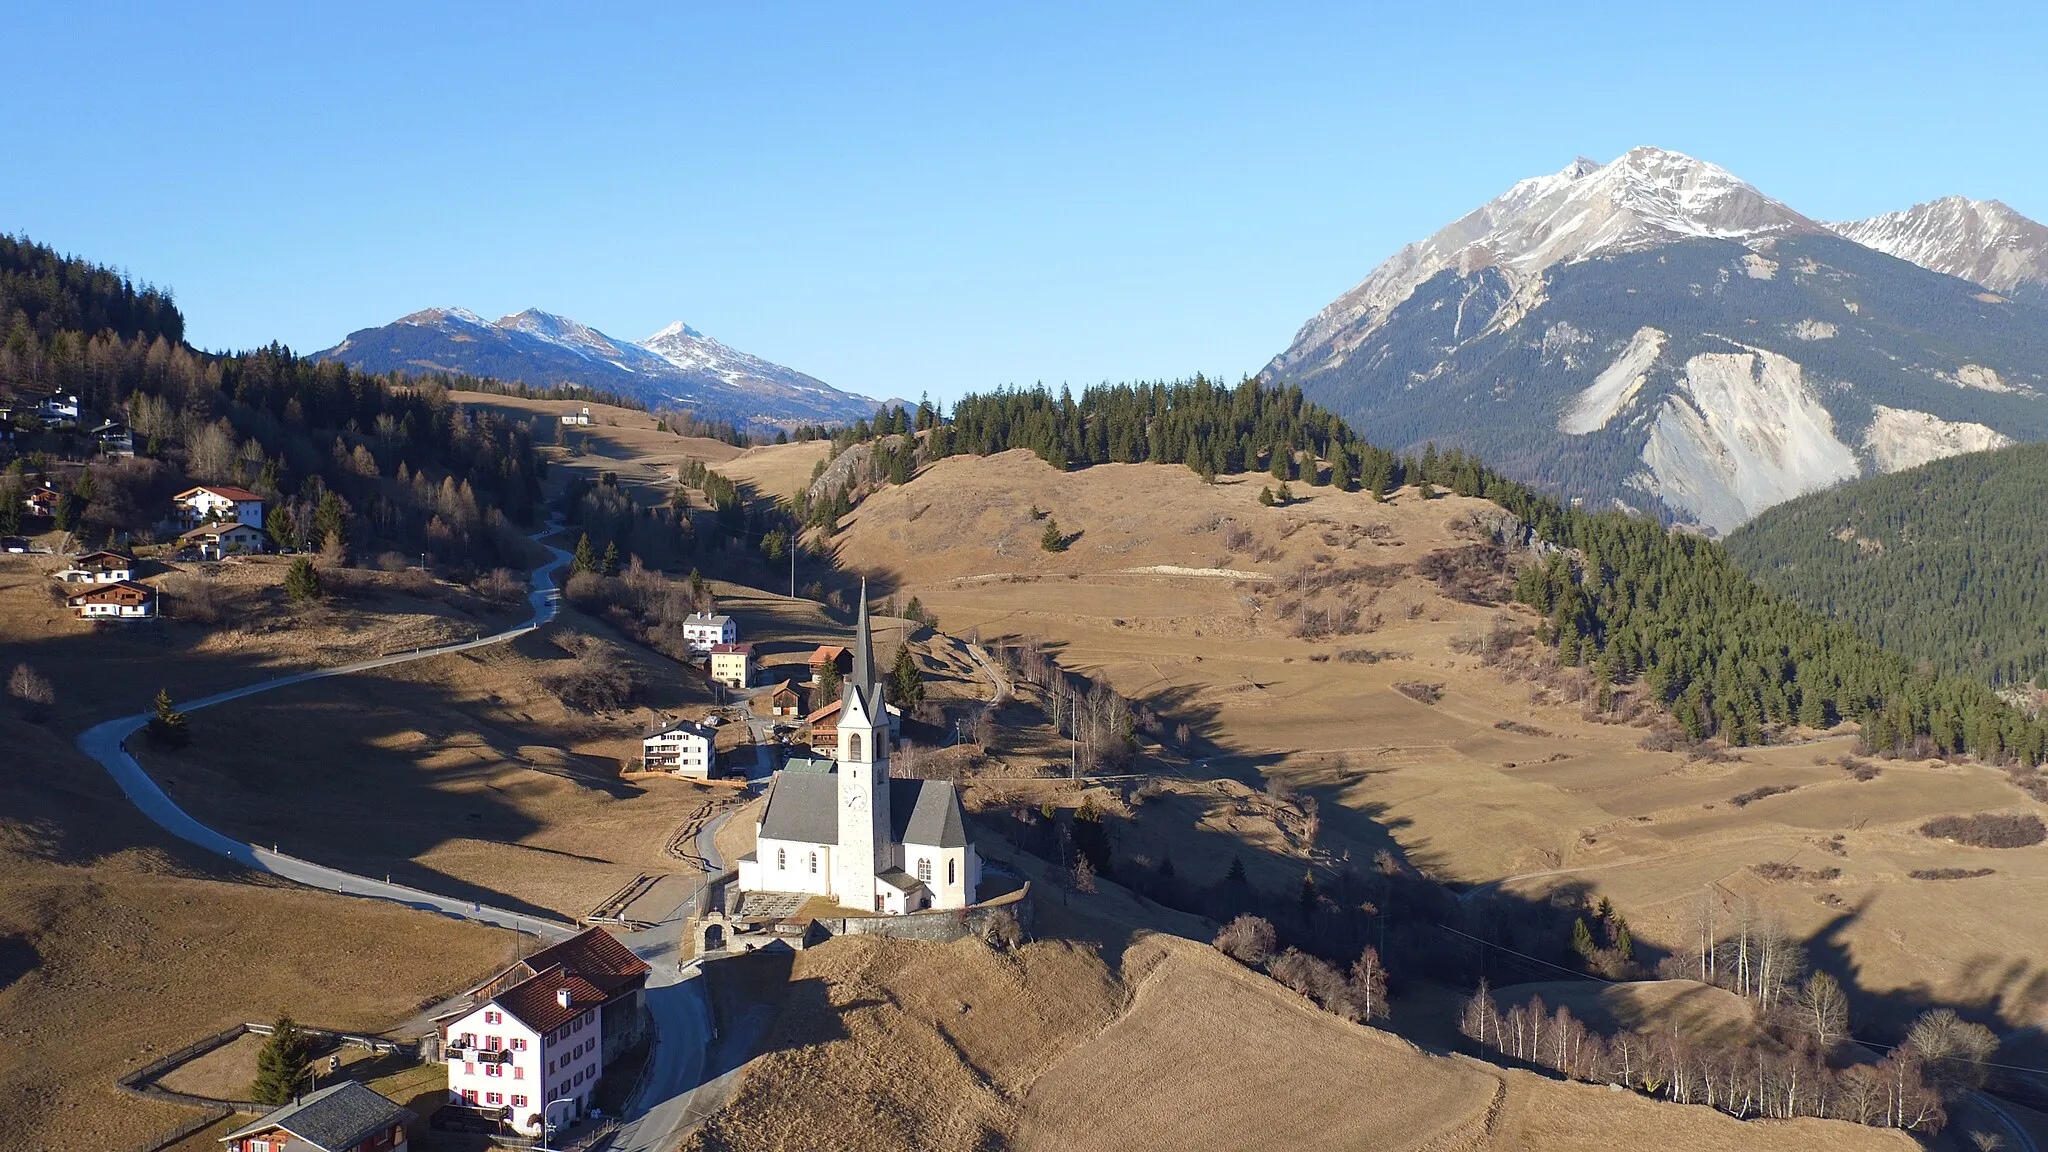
926,812
535,1003
225,491
335,1119
900,880
811,765
783,689
118,590
700,618
825,713
226,528
597,956
827,652
105,559
804,806
686,726
741,649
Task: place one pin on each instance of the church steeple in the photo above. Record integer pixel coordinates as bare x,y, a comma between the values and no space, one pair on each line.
862,680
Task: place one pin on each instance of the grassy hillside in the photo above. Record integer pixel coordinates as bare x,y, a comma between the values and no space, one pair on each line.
1946,564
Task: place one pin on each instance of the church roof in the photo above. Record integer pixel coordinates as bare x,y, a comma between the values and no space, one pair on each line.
862,681
926,812
804,807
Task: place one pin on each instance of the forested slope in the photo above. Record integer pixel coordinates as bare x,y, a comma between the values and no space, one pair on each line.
1624,596
1946,563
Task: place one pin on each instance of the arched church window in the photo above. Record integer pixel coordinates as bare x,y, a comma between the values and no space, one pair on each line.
853,746
924,869
952,871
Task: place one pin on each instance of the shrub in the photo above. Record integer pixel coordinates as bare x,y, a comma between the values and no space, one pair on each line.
1419,692
1862,770
1988,829
34,691
1519,728
1247,940
501,585
302,582
1744,799
1949,873
1002,931
1782,872
1366,655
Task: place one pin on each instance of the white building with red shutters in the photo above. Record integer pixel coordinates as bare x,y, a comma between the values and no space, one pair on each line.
219,502
535,1042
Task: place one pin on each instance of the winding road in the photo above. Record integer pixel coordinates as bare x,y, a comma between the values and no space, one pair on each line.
674,1094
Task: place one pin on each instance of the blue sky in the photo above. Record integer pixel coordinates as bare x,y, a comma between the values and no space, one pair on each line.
906,199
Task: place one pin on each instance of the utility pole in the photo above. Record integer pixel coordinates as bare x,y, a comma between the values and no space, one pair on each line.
1074,738
795,538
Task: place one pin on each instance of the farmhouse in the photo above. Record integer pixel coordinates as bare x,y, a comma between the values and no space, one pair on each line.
216,541
115,439
537,1042
98,568
832,656
346,1117
703,632
219,502
854,834
42,502
122,601
60,411
783,701
824,726
683,748
582,417
733,664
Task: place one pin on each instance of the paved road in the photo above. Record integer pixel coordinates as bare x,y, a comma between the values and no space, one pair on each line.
2023,1139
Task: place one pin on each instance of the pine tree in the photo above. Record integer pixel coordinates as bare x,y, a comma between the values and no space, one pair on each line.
1582,938
281,1063
1284,496
1236,874
907,679
828,684
1309,895
1266,496
302,582
1052,540
167,727
610,565
586,557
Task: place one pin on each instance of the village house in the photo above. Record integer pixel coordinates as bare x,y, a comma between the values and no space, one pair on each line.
783,701
854,834
221,540
219,502
832,656
536,1042
824,726
98,568
733,664
14,544
114,439
42,501
59,411
703,632
683,748
344,1117
582,417
124,600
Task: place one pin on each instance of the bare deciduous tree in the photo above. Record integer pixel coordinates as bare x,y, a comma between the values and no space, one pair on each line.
1824,1010
34,690
1247,939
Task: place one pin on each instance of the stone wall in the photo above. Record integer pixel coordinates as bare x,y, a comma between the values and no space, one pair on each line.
940,926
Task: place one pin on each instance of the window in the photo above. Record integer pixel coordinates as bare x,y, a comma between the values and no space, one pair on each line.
519,1043
924,869
494,1097
468,1069
519,1101
781,859
494,1017
518,1073
952,867
853,746
469,1039
494,1069
469,1096
814,863
589,1016
493,1043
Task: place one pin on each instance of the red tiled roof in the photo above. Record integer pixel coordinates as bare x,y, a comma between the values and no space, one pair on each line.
536,1004
827,652
594,954
741,649
225,491
828,710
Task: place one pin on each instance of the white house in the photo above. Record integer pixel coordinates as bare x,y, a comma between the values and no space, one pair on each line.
536,1046
582,417
856,835
218,541
98,568
703,632
58,411
119,601
683,748
219,502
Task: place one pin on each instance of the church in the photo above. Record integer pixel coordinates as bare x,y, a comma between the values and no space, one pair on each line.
846,830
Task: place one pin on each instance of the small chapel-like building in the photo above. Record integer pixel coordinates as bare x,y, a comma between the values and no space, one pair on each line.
854,834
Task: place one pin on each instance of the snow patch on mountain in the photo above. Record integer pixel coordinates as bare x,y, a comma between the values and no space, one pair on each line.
1979,377
1814,330
1982,241
1900,438
1646,197
1616,387
1744,433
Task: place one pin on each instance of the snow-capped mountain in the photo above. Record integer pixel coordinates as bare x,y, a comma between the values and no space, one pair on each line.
1658,333
1979,240
676,367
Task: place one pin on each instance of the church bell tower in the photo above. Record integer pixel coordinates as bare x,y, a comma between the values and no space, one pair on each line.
863,773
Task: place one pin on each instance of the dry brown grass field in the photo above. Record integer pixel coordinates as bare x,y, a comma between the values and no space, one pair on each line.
118,945
618,440
1178,599
1163,1044
779,470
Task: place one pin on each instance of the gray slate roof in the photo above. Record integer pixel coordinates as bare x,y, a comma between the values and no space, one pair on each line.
803,806
333,1119
926,812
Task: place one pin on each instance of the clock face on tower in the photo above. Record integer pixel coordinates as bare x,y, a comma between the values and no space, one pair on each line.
856,799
